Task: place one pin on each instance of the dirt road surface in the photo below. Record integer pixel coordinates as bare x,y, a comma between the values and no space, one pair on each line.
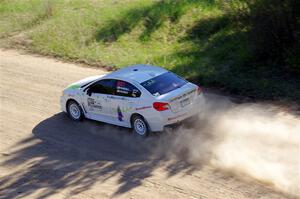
43,154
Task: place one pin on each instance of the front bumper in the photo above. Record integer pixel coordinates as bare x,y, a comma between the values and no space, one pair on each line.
63,104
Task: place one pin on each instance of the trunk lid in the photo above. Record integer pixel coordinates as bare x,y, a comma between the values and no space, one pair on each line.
181,98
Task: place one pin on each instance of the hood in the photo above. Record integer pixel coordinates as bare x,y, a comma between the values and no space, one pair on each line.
83,82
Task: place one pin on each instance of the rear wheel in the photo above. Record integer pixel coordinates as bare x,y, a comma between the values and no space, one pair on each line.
140,126
74,111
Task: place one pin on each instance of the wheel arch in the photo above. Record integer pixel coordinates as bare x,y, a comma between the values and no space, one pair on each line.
137,114
70,100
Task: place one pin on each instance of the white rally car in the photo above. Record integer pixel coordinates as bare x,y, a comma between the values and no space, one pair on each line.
145,98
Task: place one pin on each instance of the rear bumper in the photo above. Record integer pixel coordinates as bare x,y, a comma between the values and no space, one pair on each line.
188,120
173,122
168,118
181,117
192,111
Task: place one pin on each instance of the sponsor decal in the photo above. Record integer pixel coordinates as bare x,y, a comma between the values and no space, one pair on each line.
149,82
123,91
183,96
93,104
120,115
116,97
142,108
121,84
135,92
74,86
121,87
123,110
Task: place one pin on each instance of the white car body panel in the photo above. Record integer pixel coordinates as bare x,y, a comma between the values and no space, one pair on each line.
184,102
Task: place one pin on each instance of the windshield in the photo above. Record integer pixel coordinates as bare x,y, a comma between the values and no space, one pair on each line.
163,83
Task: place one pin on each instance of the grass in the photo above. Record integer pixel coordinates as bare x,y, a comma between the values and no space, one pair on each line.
193,38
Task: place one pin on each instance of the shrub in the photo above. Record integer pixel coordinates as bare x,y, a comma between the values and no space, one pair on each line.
273,28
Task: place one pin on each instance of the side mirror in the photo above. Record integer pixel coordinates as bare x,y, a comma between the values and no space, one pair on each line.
89,91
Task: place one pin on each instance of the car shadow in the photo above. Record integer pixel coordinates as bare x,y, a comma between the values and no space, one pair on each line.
65,154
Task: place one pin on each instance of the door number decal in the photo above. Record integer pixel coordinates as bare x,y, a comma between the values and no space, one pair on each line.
94,104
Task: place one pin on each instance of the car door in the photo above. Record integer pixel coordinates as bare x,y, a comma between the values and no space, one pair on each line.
124,101
96,99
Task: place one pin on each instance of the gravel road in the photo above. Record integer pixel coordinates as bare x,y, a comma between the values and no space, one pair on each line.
43,154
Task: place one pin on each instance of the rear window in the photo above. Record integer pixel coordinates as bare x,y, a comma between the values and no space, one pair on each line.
163,83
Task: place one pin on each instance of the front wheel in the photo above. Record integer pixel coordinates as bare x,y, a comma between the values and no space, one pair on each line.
74,111
140,126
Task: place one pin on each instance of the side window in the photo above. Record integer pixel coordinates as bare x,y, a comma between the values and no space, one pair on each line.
105,86
126,89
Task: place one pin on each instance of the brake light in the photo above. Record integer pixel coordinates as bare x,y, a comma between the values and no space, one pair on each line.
199,90
160,106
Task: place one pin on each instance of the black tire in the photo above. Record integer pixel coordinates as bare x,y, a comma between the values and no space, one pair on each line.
140,126
74,111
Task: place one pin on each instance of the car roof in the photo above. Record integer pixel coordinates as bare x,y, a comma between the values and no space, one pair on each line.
138,72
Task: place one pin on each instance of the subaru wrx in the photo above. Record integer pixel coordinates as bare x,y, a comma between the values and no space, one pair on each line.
142,97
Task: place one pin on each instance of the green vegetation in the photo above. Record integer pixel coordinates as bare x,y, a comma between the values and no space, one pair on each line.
229,44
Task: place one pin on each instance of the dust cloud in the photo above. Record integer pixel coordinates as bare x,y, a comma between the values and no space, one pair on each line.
258,140
248,140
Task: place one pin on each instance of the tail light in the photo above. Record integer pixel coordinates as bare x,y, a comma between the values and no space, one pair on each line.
199,90
160,106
